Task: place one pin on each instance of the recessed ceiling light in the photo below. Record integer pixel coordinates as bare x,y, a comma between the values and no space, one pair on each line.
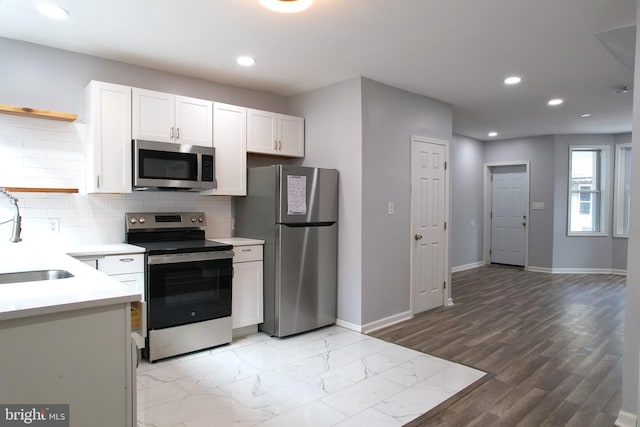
585,115
555,101
513,80
245,61
493,134
286,6
51,10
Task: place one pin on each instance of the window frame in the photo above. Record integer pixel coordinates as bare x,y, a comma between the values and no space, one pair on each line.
619,191
601,193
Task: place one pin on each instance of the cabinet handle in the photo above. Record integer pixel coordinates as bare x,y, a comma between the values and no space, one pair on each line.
171,133
177,133
280,145
245,250
126,260
275,144
97,181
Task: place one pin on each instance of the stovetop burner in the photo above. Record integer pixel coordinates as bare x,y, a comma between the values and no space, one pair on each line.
165,233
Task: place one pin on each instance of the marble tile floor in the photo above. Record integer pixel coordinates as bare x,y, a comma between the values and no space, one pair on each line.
328,377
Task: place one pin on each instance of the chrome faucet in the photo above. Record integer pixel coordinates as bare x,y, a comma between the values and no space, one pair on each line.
17,219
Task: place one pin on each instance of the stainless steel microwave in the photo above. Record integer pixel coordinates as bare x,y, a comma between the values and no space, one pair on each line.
167,166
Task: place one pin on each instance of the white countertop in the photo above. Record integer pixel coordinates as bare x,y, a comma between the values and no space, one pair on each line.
88,288
238,241
102,249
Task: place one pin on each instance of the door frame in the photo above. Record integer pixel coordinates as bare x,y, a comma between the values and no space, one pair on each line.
488,196
446,295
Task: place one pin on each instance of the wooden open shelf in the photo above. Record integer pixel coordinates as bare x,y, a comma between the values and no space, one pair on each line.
40,190
40,114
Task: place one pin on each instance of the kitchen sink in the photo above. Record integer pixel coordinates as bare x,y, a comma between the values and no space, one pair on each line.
33,276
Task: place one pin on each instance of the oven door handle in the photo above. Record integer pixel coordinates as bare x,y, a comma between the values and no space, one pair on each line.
189,257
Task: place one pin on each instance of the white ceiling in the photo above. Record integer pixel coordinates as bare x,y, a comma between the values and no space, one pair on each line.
457,51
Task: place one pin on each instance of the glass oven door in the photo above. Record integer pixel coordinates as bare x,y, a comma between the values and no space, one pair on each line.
189,287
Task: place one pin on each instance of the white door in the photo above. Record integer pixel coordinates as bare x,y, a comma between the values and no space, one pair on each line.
509,215
230,142
261,132
291,135
429,212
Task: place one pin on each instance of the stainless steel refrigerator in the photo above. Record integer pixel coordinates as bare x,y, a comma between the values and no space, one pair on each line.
295,211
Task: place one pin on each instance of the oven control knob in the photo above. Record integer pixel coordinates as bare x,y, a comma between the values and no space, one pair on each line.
200,219
133,220
193,219
142,220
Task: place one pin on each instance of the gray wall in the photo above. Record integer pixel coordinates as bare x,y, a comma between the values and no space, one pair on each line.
540,151
389,117
333,137
631,359
52,79
582,252
466,172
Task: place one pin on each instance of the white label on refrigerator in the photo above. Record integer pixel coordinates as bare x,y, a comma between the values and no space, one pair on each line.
296,195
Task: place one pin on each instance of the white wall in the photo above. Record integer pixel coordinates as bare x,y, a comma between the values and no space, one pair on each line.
333,139
467,214
44,153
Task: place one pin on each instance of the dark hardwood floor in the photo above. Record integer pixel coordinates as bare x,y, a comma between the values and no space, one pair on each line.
550,343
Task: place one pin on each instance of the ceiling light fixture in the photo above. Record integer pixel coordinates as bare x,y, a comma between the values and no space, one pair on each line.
585,115
513,80
51,10
493,134
286,6
245,61
555,101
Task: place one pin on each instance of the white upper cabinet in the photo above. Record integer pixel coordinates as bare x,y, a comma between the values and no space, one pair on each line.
230,142
108,119
276,134
164,117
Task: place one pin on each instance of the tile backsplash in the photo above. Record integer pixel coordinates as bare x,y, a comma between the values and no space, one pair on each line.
50,154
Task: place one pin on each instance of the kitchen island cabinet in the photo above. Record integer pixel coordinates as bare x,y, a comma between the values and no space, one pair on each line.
163,117
66,341
275,134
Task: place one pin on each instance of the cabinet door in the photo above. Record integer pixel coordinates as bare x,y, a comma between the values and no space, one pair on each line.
291,136
153,115
193,121
108,153
230,142
247,305
261,132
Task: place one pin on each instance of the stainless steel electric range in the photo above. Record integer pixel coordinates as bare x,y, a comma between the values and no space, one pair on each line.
187,282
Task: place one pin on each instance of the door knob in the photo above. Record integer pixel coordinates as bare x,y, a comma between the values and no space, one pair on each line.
418,236
524,224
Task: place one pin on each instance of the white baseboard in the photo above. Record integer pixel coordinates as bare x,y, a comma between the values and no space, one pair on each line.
535,269
387,321
467,266
626,419
576,270
349,325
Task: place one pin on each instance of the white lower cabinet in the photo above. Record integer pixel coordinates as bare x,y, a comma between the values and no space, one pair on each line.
128,269
247,306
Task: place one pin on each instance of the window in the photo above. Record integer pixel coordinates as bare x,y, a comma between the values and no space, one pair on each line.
587,199
622,191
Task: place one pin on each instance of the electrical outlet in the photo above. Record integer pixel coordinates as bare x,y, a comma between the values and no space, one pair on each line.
53,225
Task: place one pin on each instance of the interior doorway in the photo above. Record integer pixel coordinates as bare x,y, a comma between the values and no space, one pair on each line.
429,216
506,213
